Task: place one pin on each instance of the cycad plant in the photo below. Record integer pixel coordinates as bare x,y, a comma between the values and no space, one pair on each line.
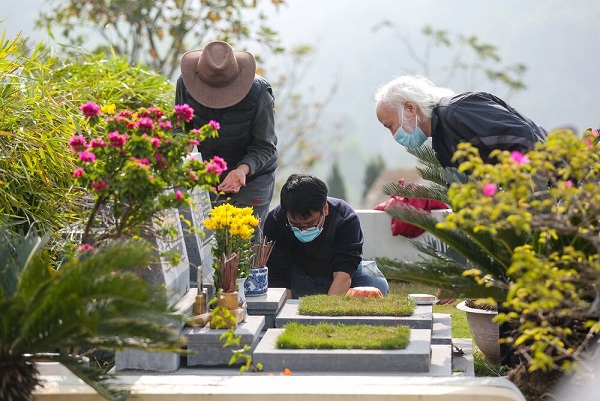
529,228
456,250
94,301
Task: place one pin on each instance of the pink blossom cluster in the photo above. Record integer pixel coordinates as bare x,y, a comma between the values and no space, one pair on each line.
216,165
184,111
90,109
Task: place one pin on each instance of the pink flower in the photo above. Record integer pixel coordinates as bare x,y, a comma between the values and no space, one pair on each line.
158,156
595,132
165,125
155,142
90,109
86,248
87,157
178,195
152,112
519,157
145,123
124,114
216,165
99,185
490,189
117,140
97,143
79,172
194,142
569,184
184,111
588,142
214,125
77,143
144,161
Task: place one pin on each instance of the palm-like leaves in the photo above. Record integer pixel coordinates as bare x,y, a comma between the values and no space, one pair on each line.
439,178
458,252
95,301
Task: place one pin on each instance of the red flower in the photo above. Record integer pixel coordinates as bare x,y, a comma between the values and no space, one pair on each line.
99,185
117,140
214,125
79,172
90,109
87,157
184,111
77,143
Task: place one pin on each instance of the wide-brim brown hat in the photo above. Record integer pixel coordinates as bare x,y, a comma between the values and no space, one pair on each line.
216,76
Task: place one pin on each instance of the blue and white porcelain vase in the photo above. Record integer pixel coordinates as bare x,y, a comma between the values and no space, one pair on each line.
257,282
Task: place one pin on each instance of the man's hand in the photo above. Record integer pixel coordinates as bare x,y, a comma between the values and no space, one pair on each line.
235,180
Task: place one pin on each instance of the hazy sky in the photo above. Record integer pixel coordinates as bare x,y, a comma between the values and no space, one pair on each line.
558,41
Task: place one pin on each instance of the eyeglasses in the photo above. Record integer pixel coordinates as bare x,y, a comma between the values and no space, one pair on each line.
306,228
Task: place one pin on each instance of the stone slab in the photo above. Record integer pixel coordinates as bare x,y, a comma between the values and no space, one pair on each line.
422,318
198,244
462,357
209,347
163,362
135,359
175,278
267,305
442,329
414,358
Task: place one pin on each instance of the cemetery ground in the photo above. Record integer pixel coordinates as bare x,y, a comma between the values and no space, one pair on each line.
460,329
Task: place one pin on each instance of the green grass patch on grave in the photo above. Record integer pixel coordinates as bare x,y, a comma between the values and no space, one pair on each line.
343,305
339,336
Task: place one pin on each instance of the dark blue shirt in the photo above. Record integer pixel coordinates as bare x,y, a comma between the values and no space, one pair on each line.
337,248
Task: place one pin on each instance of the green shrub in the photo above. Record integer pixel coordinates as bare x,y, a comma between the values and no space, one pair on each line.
39,112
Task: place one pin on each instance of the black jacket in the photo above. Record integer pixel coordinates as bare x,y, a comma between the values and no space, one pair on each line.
337,248
485,121
247,134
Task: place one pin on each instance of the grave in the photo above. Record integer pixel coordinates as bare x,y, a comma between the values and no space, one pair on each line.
430,351
198,244
208,346
176,280
267,305
414,358
422,318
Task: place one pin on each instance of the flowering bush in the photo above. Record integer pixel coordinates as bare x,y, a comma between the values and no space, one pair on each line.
233,229
529,230
135,167
545,207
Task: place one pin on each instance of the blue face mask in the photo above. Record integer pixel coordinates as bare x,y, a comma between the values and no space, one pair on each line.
410,140
307,234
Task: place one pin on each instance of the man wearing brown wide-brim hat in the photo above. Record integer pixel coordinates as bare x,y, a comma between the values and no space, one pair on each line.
221,84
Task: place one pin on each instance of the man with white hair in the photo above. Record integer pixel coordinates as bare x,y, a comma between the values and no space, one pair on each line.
413,108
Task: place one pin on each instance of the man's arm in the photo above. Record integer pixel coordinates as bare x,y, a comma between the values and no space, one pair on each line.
340,284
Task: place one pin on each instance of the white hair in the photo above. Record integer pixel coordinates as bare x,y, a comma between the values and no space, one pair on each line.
413,88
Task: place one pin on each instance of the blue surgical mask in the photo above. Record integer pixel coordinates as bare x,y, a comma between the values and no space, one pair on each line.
307,235
410,140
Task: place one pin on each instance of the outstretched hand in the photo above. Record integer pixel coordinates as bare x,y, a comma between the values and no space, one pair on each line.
235,180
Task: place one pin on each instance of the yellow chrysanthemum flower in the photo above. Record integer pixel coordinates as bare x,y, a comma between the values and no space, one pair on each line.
108,108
